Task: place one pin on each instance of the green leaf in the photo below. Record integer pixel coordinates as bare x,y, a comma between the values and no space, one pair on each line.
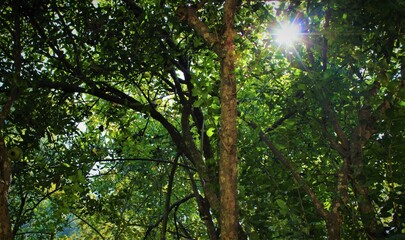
80,177
283,206
210,132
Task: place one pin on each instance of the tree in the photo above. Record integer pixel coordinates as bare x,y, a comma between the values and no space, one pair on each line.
226,51
10,83
325,73
142,115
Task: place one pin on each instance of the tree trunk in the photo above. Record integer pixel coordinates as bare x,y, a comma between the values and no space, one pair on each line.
333,225
372,227
228,159
5,165
5,224
228,163
5,178
366,209
224,47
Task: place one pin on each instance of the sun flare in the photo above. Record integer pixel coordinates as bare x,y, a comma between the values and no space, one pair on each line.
287,34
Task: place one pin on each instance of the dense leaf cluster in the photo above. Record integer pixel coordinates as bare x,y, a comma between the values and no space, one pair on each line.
116,108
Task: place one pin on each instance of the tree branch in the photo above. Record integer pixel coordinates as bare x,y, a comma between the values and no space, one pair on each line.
336,126
189,14
176,204
280,121
167,201
208,182
88,224
148,160
325,41
335,145
104,92
203,208
289,165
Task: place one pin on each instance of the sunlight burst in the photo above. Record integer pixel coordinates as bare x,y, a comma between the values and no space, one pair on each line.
287,34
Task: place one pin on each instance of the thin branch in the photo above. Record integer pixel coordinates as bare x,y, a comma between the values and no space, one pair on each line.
325,41
148,160
88,224
18,222
168,196
68,33
185,233
335,145
105,92
206,177
289,165
113,95
42,199
280,121
203,209
54,47
336,126
176,204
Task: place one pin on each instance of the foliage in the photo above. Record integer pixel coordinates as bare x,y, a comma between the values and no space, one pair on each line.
118,113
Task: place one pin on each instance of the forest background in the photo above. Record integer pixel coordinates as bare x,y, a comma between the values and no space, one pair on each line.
159,119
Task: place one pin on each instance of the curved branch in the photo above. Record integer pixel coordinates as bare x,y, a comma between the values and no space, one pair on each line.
335,144
189,15
280,121
203,208
345,143
148,160
105,92
88,224
168,196
325,41
176,204
289,165
115,96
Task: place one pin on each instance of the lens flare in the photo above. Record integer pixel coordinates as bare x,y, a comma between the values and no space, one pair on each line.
287,34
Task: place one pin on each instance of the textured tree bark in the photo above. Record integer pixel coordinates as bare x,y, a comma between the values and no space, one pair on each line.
228,155
224,47
228,163
5,165
5,173
333,225
367,212
5,178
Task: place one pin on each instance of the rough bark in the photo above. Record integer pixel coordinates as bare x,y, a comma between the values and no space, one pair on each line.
228,153
5,164
5,179
333,225
225,49
5,174
228,163
204,209
366,209
206,181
